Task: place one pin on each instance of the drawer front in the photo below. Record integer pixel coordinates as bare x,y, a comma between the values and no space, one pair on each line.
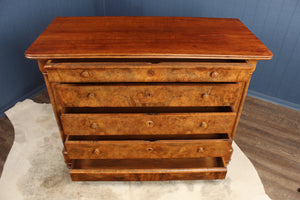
164,95
148,72
148,169
146,124
140,149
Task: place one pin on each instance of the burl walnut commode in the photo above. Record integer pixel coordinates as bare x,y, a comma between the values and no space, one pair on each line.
147,98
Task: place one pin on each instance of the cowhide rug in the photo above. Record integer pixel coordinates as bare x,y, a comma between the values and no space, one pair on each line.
35,169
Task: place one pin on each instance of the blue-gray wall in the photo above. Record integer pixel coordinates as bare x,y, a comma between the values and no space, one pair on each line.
275,22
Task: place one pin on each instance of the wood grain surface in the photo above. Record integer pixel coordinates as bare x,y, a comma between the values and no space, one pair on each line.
158,71
148,169
148,124
141,95
143,149
147,37
269,135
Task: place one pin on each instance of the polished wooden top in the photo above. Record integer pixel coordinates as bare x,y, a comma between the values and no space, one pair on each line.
147,37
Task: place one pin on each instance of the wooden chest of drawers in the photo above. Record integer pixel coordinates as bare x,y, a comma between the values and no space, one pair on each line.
147,98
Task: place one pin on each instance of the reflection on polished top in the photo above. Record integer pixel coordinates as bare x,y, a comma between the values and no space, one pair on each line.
147,37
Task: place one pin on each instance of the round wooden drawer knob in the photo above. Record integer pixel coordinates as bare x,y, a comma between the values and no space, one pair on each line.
150,124
205,96
200,149
203,125
91,95
150,72
96,151
149,149
214,74
94,125
85,74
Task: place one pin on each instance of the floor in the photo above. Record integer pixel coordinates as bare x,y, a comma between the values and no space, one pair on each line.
267,133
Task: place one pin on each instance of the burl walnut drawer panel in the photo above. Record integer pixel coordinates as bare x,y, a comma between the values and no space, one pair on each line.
148,72
142,95
142,149
148,169
147,124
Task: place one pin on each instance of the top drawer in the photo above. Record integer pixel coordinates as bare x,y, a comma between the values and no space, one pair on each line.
72,72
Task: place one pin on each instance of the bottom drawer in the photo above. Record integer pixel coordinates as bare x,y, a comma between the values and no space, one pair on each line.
148,169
